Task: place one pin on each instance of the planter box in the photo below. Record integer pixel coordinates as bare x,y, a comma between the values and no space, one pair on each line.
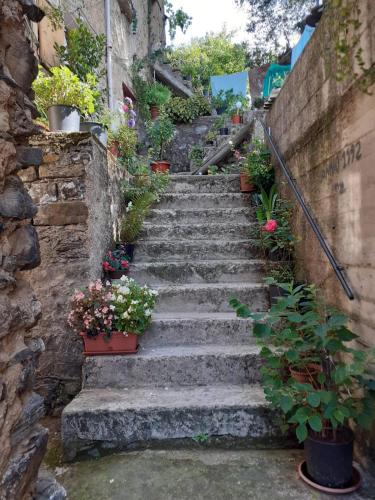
116,275
118,343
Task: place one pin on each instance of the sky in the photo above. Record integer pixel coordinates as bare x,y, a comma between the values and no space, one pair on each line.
211,15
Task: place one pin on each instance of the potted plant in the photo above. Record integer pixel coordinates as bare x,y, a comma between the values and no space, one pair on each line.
160,133
281,273
323,408
110,317
62,96
246,185
157,95
236,113
122,135
116,263
259,166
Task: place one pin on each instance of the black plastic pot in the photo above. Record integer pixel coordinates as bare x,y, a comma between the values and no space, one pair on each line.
330,463
224,131
129,250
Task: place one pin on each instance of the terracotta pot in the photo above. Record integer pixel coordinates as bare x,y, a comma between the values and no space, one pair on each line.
118,343
236,119
245,184
307,375
154,111
160,166
114,148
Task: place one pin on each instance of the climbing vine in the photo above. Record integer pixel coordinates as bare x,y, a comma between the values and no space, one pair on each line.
344,27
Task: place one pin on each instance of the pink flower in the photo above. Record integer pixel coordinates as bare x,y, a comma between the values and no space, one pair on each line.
125,108
270,226
98,285
125,264
105,309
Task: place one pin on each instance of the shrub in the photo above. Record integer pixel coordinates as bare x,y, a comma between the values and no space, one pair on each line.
160,133
258,166
127,139
213,54
158,94
182,110
132,221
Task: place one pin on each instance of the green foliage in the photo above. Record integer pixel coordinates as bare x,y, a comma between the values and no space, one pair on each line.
196,156
132,221
182,110
299,330
63,87
258,102
275,22
143,181
201,438
127,139
157,94
160,133
258,166
280,243
55,16
213,54
176,19
140,86
228,102
83,52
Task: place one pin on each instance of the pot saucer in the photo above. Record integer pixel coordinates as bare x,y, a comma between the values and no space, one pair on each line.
355,483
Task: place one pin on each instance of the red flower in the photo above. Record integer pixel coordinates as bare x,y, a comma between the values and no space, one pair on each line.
124,264
270,226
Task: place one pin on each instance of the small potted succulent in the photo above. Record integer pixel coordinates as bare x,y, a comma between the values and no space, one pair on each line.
62,96
323,407
110,317
157,95
116,263
160,133
121,130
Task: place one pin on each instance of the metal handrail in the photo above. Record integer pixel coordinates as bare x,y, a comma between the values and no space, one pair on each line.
336,267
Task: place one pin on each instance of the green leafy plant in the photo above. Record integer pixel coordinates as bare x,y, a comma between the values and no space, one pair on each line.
300,329
140,86
185,110
132,306
158,94
196,156
160,133
132,221
55,16
201,438
143,181
127,140
258,102
83,52
213,54
258,166
65,88
176,19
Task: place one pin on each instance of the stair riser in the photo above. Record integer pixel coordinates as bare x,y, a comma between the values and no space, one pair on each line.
159,371
164,251
183,217
204,184
196,232
193,273
197,332
209,300
133,429
203,201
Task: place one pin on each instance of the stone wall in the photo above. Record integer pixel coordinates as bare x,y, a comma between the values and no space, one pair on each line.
22,439
78,195
325,131
187,135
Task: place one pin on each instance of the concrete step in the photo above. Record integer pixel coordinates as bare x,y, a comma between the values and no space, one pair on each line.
104,419
210,297
198,271
213,231
180,201
182,250
193,216
177,366
204,184
183,329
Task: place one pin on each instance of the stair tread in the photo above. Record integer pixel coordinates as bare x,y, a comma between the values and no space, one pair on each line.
188,316
219,396
201,286
200,262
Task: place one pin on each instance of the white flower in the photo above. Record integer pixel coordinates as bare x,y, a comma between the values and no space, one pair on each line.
129,207
124,289
112,307
154,292
123,278
125,315
135,302
147,312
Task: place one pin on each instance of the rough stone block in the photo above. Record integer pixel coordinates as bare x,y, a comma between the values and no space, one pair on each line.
28,174
72,189
27,156
15,202
25,247
43,192
48,488
32,411
52,171
62,214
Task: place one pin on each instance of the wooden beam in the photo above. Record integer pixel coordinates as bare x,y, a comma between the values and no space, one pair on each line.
165,75
226,149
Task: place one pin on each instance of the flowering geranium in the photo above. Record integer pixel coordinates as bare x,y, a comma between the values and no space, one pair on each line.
126,109
90,312
270,226
132,306
116,260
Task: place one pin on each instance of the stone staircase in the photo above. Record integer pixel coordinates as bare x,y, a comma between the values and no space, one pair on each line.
197,370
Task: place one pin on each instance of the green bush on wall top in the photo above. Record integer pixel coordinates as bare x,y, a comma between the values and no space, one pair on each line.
181,110
157,94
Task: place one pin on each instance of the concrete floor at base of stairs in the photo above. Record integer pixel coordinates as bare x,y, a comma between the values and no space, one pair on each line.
195,475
